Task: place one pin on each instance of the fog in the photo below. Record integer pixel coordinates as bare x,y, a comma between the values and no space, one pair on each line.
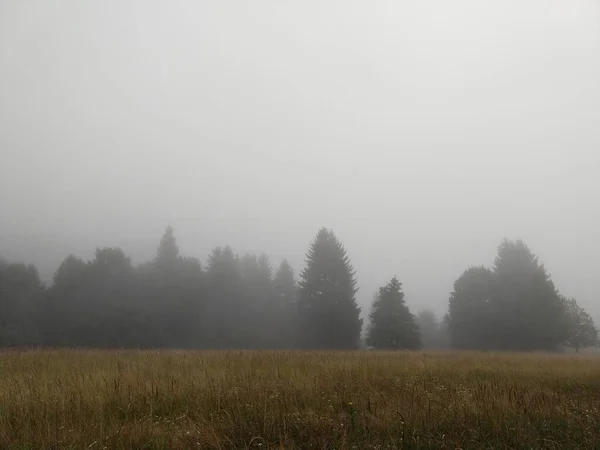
422,133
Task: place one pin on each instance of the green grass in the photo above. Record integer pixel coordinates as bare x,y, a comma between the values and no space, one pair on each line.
345,400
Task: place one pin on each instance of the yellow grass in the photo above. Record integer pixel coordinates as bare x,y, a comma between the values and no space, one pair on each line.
345,400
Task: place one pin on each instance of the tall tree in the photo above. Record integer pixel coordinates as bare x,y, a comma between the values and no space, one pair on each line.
392,325
470,315
328,314
528,309
582,331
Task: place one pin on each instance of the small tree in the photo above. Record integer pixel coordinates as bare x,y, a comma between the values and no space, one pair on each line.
392,324
581,331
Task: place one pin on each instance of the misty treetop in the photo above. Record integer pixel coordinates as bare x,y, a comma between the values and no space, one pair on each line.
244,302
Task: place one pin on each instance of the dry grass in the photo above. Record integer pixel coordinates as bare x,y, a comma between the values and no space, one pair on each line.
361,400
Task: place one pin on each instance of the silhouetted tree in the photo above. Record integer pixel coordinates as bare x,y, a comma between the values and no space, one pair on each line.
392,326
327,311
21,294
528,310
470,315
582,331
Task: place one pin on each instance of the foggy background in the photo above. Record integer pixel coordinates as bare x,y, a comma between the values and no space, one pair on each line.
422,133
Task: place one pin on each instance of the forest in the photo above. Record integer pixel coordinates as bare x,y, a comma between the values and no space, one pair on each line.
242,302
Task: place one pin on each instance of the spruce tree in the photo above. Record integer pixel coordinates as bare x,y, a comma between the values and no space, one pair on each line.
328,316
393,327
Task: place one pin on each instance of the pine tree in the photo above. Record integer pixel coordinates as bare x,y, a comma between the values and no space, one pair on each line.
328,316
392,324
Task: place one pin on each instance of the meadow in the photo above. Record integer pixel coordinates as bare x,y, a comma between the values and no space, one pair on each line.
297,400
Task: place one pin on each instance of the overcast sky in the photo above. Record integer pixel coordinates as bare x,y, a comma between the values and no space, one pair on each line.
421,132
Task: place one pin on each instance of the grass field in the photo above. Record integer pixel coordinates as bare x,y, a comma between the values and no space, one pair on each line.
354,400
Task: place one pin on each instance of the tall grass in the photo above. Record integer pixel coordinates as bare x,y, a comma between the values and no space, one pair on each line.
297,400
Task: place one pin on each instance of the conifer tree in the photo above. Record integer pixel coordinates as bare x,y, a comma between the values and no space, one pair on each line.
392,325
328,316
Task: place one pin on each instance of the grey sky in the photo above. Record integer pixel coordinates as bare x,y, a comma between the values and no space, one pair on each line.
421,132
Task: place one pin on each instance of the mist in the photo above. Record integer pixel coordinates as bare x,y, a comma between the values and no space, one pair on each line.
422,133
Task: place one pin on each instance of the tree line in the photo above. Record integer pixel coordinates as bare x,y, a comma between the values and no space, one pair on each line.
241,302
